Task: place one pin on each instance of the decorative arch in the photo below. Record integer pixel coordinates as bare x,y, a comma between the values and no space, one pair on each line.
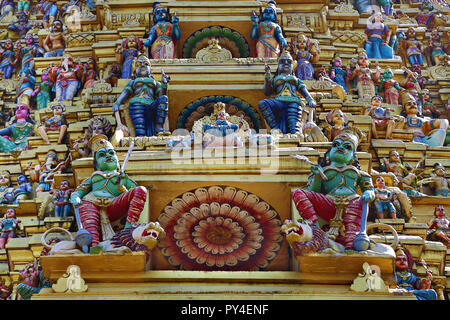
228,39
205,106
220,228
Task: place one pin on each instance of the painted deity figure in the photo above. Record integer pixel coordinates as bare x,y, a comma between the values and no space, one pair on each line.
6,8
388,7
413,48
336,121
29,52
390,86
362,78
381,117
149,105
375,46
163,34
221,133
410,282
268,34
57,122
438,181
404,172
428,108
25,87
98,125
21,26
436,48
90,73
383,199
23,190
338,74
8,226
285,110
14,137
306,54
47,171
44,92
55,42
6,188
431,132
439,227
67,78
413,87
33,281
125,55
23,6
9,57
343,177
50,10
107,191
61,199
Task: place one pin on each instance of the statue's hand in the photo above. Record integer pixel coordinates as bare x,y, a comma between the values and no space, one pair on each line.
124,128
368,195
267,69
175,19
311,103
315,170
115,107
254,17
76,201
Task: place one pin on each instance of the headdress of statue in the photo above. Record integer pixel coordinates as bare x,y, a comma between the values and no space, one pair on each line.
99,141
352,134
137,62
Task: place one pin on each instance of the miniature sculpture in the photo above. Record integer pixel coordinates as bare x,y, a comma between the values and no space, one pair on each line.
50,10
8,226
6,8
23,6
25,87
428,17
108,194
71,281
334,182
412,85
23,190
285,111
21,26
18,131
405,173
430,132
363,79
90,73
113,75
338,74
408,281
435,48
127,53
33,281
98,125
336,121
149,105
413,48
67,78
47,171
5,291
428,108
306,53
388,7
163,35
268,34
381,117
391,87
6,188
61,199
368,281
438,181
57,122
8,59
55,42
43,93
383,199
376,47
29,52
439,227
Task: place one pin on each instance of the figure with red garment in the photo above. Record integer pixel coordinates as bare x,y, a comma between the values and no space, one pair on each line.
9,226
439,227
332,185
67,78
381,117
391,87
108,194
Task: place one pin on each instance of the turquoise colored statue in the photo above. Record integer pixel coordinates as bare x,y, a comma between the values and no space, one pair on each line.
14,137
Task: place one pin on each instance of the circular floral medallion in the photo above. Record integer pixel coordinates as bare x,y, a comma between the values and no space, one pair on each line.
220,228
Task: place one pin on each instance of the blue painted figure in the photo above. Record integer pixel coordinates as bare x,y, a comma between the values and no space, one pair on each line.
50,10
338,74
149,105
383,199
284,112
23,191
29,52
305,55
413,48
163,34
8,59
267,33
61,199
376,47
126,54
21,26
388,7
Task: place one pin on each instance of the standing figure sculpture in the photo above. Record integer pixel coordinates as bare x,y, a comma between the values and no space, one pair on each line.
436,48
383,199
29,52
61,199
9,56
381,117
343,178
90,73
109,194
25,86
127,53
375,46
14,137
55,42
306,54
163,35
268,34
285,111
338,74
391,87
413,48
50,10
8,226
428,108
362,78
67,78
149,105
439,227
98,125
388,7
44,92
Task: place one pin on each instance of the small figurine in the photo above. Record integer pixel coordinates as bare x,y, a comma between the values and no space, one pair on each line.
391,87
21,26
413,87
7,7
163,34
438,181
408,281
336,121
8,226
55,42
375,47
285,110
50,10
149,105
23,190
33,281
428,108
90,73
67,78
107,190
17,132
61,199
5,292
8,59
388,7
381,117
383,199
127,53
267,33
436,48
338,74
439,227
43,93
306,54
337,178
29,52
25,86
47,171
55,123
362,77
6,188
413,48
98,125
23,6
113,75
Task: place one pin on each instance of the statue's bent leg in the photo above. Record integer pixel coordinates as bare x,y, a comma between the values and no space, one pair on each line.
352,222
265,106
90,219
436,139
294,116
131,202
311,204
162,108
137,115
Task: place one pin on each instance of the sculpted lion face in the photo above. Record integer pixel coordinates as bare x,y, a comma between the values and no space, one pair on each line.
148,234
296,232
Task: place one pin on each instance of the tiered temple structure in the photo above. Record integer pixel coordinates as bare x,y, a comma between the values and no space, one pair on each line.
253,149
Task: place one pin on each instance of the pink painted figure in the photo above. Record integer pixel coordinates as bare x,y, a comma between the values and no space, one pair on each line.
9,226
391,87
439,227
